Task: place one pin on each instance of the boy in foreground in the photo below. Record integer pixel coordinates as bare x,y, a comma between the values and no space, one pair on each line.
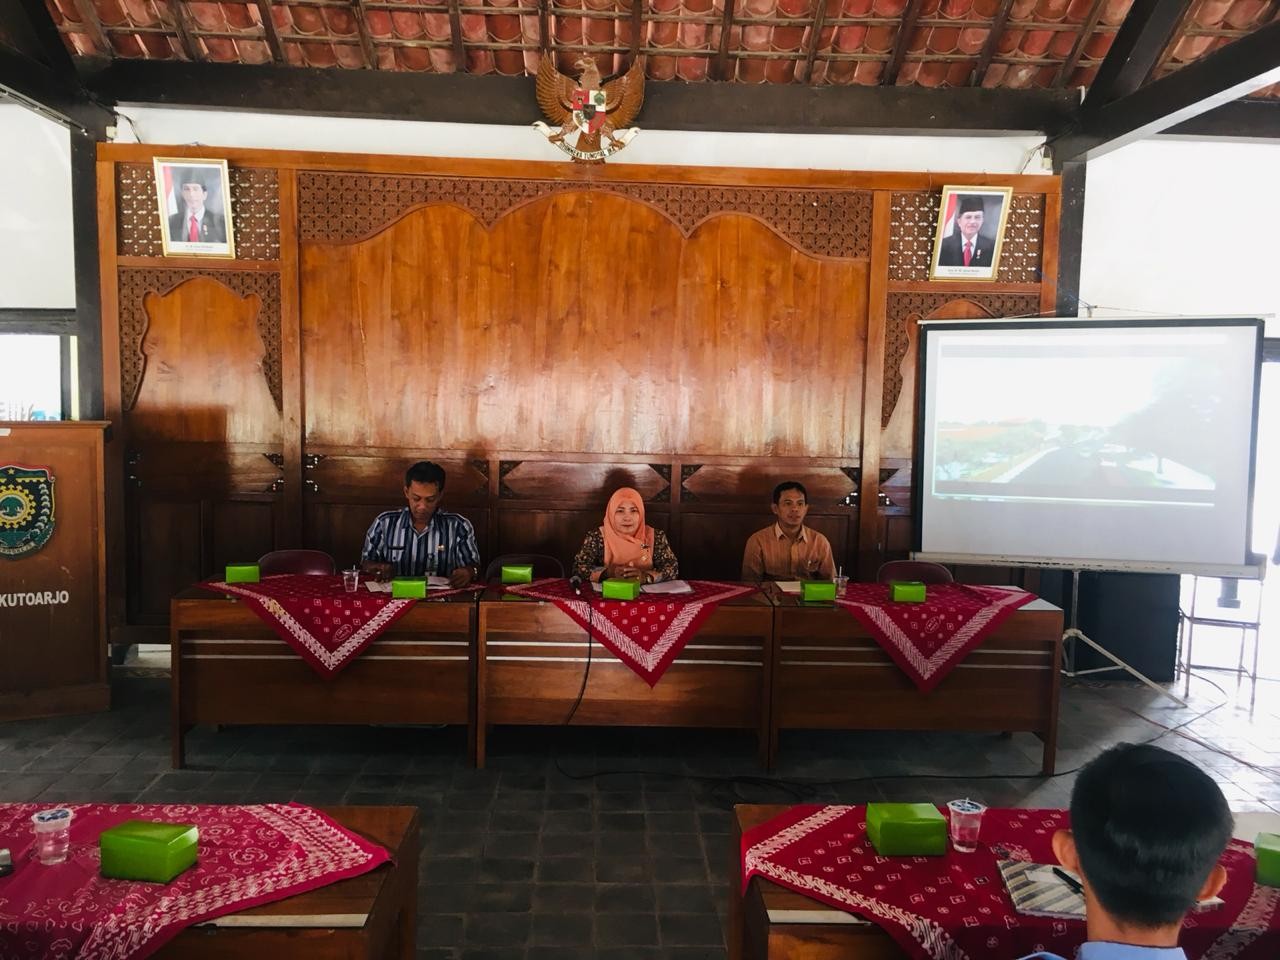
1147,829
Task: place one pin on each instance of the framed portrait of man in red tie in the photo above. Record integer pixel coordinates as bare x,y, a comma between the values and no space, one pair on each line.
971,222
194,197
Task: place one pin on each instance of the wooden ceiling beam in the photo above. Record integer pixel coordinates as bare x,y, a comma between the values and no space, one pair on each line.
55,96
1086,33
31,30
455,34
1226,74
722,53
89,17
1143,37
989,47
1256,120
815,37
637,29
673,105
366,40
909,18
183,29
269,33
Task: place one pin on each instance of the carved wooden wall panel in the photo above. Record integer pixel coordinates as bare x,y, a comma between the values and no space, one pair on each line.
915,219
348,207
717,483
552,333
255,207
135,285
202,373
903,312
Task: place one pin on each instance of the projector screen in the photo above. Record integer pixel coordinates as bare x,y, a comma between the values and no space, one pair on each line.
1094,445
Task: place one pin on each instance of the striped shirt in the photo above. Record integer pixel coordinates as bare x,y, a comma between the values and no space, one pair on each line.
447,543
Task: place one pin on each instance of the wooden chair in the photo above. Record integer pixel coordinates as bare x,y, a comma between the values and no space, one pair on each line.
544,565
923,570
295,561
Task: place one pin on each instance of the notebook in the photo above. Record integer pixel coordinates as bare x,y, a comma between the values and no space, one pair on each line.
1039,892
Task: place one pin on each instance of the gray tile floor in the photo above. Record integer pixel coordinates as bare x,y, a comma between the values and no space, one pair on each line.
548,853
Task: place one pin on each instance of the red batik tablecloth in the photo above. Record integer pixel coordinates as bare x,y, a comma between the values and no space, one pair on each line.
926,640
956,908
327,626
249,855
646,634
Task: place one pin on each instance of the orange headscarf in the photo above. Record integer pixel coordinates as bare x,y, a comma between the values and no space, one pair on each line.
619,548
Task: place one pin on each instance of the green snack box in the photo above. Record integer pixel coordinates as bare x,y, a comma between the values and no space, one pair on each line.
620,589
148,850
242,573
906,829
517,573
409,588
811,590
906,591
1267,849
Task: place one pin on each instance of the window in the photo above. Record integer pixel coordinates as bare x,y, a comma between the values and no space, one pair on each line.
31,376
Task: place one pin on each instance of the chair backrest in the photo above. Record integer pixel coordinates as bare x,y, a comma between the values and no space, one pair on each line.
925,571
544,565
294,561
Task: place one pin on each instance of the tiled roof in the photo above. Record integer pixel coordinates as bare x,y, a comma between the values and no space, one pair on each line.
1043,43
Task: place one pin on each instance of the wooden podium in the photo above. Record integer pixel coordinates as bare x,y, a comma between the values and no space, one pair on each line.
53,644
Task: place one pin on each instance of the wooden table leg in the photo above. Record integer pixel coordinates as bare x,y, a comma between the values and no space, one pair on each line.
734,915
176,733
407,920
1048,758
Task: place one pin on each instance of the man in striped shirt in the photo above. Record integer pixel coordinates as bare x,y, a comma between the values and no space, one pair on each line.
420,539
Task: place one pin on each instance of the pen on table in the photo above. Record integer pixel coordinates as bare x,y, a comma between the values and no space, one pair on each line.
1069,880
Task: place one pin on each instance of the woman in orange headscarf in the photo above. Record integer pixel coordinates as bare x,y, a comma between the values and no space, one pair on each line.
624,547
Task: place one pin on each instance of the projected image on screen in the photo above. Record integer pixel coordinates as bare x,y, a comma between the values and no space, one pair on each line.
1068,441
1141,439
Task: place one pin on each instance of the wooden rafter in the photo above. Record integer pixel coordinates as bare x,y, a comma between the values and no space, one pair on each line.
1170,45
544,28
989,47
30,19
1077,48
183,29
269,30
637,30
815,37
455,35
366,41
1223,76
900,43
1143,35
722,54
89,17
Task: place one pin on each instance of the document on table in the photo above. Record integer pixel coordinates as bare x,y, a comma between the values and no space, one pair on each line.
666,586
433,583
788,586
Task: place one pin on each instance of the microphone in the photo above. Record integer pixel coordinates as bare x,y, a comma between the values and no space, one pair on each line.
575,584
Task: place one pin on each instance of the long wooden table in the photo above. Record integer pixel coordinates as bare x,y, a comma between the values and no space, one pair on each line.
769,922
531,660
828,673
370,916
229,667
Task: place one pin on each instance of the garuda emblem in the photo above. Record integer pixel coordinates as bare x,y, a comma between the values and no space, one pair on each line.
594,114
26,510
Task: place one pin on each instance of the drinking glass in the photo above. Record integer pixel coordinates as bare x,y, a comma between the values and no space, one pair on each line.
53,834
351,579
966,824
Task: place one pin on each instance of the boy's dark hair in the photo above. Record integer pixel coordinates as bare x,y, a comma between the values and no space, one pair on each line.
424,471
786,485
1148,827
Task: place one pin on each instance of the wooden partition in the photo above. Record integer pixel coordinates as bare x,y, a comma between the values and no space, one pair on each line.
52,569
547,332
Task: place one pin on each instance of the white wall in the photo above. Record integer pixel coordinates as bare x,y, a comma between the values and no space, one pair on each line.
36,268
1183,227
693,148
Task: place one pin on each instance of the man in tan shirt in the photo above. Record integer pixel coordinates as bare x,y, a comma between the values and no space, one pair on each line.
788,550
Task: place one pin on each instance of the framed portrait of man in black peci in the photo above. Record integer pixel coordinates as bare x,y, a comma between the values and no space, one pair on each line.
971,224
194,198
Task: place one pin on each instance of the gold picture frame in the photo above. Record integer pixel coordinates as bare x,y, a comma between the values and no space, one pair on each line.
964,218
187,230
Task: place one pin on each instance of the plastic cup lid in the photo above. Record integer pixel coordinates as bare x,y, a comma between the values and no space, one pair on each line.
966,806
56,815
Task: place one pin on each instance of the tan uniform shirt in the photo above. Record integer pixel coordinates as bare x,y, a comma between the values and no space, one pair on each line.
772,555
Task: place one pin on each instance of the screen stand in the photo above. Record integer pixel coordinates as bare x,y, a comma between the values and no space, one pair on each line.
1073,636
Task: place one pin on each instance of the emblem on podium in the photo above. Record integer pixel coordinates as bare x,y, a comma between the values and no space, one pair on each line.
26,510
